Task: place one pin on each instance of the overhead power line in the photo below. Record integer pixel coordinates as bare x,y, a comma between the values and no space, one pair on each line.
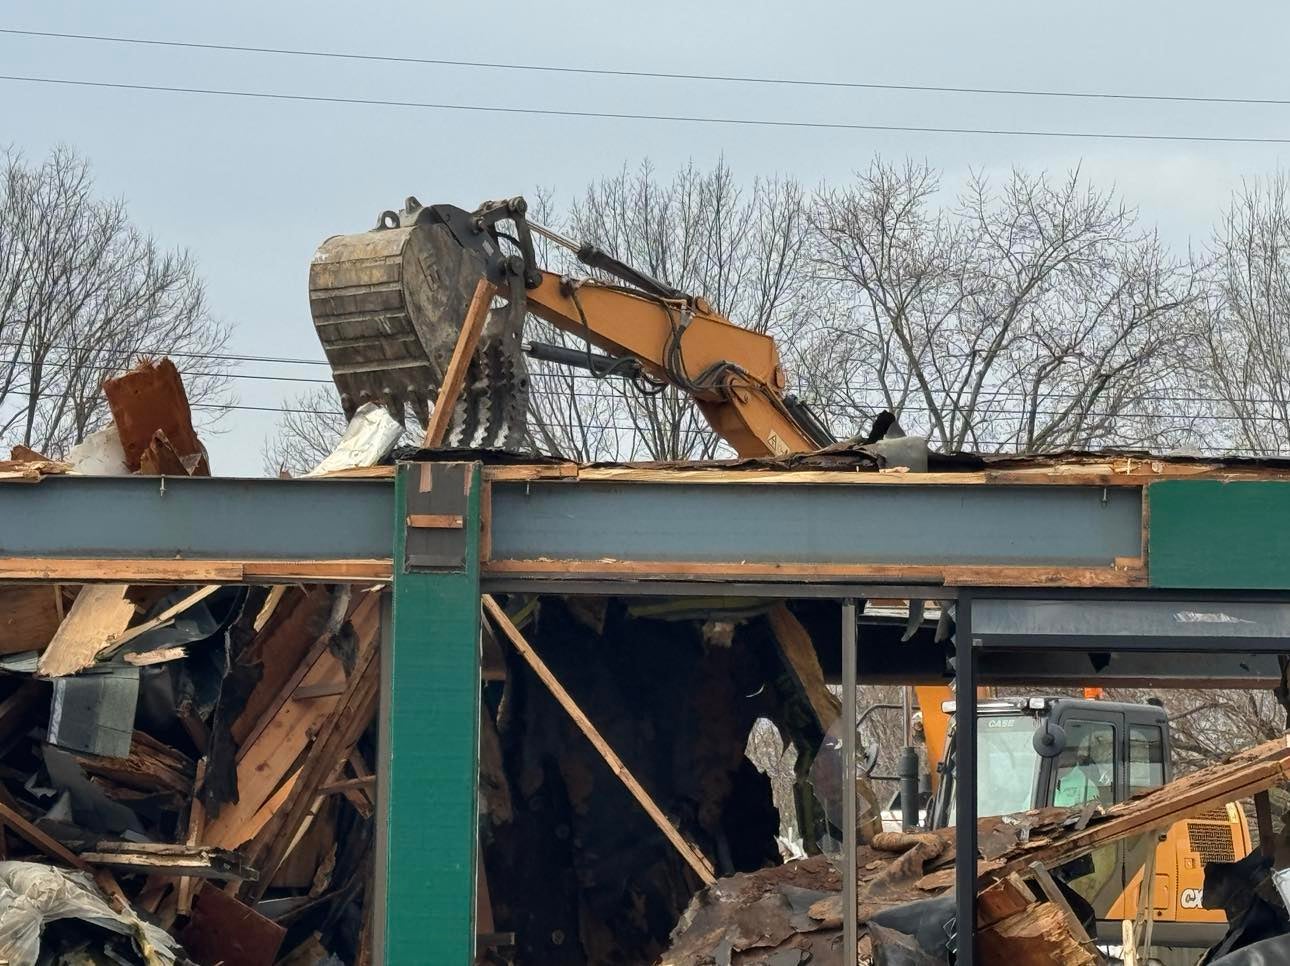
653,74
628,116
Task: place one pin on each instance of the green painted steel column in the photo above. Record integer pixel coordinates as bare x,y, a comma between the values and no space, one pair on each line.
426,840
1216,535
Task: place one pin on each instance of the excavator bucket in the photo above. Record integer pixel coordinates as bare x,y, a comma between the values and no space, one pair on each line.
389,304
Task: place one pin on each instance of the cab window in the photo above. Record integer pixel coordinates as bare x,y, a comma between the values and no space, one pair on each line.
1146,758
1086,767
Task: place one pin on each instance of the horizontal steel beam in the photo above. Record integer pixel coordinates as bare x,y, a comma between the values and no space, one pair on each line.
764,529
170,522
1199,625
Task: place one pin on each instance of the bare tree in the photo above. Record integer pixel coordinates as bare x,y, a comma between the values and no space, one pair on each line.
1038,316
84,295
743,249
309,427
1244,323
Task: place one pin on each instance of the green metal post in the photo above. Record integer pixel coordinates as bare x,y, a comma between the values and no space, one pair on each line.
426,839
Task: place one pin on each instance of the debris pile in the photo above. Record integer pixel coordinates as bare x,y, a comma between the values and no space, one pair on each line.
188,771
792,915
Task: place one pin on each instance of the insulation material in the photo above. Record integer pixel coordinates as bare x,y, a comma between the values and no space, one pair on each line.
99,454
33,895
368,439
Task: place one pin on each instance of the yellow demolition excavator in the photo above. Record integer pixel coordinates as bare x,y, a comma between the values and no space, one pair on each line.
389,305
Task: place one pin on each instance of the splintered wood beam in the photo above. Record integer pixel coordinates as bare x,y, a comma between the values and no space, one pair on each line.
196,825
696,860
202,861
462,353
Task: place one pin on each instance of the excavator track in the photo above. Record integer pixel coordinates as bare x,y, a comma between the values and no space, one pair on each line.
388,306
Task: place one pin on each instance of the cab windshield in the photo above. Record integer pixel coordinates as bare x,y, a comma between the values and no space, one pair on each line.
1007,764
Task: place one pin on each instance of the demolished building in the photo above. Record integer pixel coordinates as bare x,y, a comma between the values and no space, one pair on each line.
264,721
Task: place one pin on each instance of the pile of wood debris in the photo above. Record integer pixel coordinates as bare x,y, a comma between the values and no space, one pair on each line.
187,770
792,915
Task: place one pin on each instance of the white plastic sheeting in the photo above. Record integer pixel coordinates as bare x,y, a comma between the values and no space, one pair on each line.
33,894
370,435
99,454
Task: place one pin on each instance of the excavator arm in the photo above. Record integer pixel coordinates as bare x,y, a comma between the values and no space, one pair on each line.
388,305
732,373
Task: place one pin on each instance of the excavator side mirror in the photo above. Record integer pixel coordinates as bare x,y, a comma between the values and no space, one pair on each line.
1050,740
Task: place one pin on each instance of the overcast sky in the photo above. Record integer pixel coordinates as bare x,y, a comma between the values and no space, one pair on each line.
251,186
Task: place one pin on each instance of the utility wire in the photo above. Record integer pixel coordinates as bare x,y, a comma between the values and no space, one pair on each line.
652,74
857,392
627,116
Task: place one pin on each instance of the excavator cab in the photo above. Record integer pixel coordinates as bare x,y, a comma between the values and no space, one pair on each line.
1060,751
1068,752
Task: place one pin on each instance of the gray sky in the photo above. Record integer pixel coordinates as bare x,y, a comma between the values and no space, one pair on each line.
251,187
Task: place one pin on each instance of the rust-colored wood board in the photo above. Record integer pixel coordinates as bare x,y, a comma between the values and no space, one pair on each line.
1239,777
224,930
149,398
98,614
29,617
455,375
696,860
162,459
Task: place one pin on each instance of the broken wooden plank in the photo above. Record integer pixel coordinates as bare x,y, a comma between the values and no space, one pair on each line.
151,766
268,757
462,353
285,648
42,841
1055,896
1036,936
345,784
149,398
696,860
199,861
160,458
159,656
100,611
116,641
336,737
